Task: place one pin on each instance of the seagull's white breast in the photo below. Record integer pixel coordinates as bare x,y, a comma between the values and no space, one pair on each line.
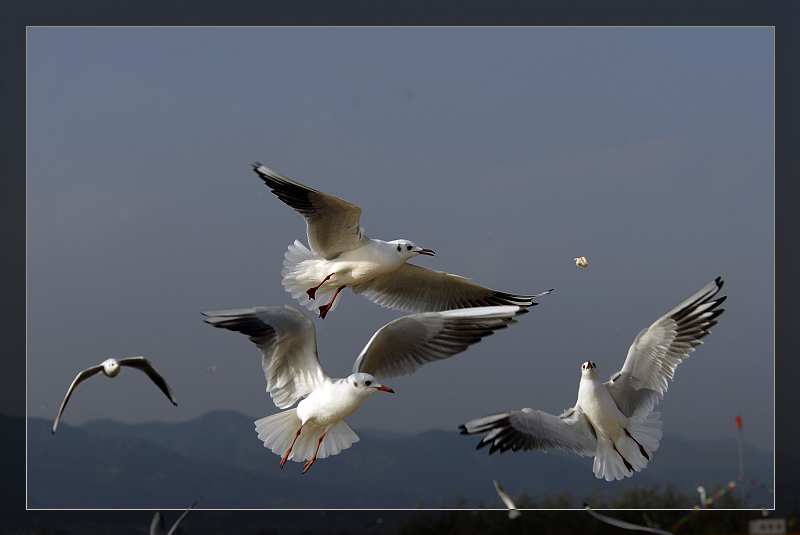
599,407
328,405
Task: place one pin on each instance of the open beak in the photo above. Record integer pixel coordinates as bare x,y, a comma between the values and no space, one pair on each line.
385,389
427,252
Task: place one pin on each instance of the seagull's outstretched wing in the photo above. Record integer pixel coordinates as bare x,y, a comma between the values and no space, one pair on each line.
402,346
418,289
622,524
288,343
141,363
157,525
529,429
658,349
332,224
509,503
81,377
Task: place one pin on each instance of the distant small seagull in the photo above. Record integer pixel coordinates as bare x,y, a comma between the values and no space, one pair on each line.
341,256
622,524
581,262
287,341
157,525
613,421
512,509
111,368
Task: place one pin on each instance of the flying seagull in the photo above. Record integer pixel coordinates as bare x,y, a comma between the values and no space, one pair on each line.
157,525
287,341
111,368
513,512
622,524
341,256
614,420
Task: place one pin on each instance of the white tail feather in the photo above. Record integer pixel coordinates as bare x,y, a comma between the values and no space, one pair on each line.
278,431
647,431
298,263
608,463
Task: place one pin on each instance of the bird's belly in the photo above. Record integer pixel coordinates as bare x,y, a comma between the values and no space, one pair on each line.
321,410
605,418
345,272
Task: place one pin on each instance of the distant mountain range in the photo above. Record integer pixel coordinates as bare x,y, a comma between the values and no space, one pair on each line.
218,458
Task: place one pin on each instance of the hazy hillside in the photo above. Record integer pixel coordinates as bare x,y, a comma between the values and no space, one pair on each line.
218,458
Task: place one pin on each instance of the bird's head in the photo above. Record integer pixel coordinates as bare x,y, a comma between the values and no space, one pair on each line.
407,249
110,367
589,370
365,384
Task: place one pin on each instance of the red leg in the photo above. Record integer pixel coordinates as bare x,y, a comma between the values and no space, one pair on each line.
286,456
624,460
641,448
312,292
314,458
323,310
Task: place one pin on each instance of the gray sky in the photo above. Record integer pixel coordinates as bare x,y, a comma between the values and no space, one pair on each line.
508,151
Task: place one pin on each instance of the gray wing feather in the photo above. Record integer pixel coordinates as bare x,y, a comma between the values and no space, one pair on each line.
288,345
658,349
141,363
177,523
530,429
405,344
157,525
332,224
81,377
417,289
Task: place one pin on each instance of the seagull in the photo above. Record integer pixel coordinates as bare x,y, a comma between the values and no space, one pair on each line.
512,508
157,525
614,420
341,256
111,368
581,261
287,341
622,524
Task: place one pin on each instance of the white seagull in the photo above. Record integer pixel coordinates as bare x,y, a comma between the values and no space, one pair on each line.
111,368
614,420
513,512
341,256
288,345
622,524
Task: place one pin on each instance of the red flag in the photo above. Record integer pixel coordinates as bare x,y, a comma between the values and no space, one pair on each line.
738,422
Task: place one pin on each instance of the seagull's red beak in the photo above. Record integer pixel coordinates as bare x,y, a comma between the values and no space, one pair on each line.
427,252
385,389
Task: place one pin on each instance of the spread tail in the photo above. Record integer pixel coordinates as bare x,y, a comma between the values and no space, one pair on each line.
298,261
629,454
278,431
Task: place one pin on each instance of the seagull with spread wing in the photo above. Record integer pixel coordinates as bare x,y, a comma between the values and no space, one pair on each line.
287,341
111,368
341,256
613,421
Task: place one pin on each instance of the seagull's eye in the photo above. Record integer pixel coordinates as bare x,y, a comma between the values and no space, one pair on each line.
408,247
367,383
